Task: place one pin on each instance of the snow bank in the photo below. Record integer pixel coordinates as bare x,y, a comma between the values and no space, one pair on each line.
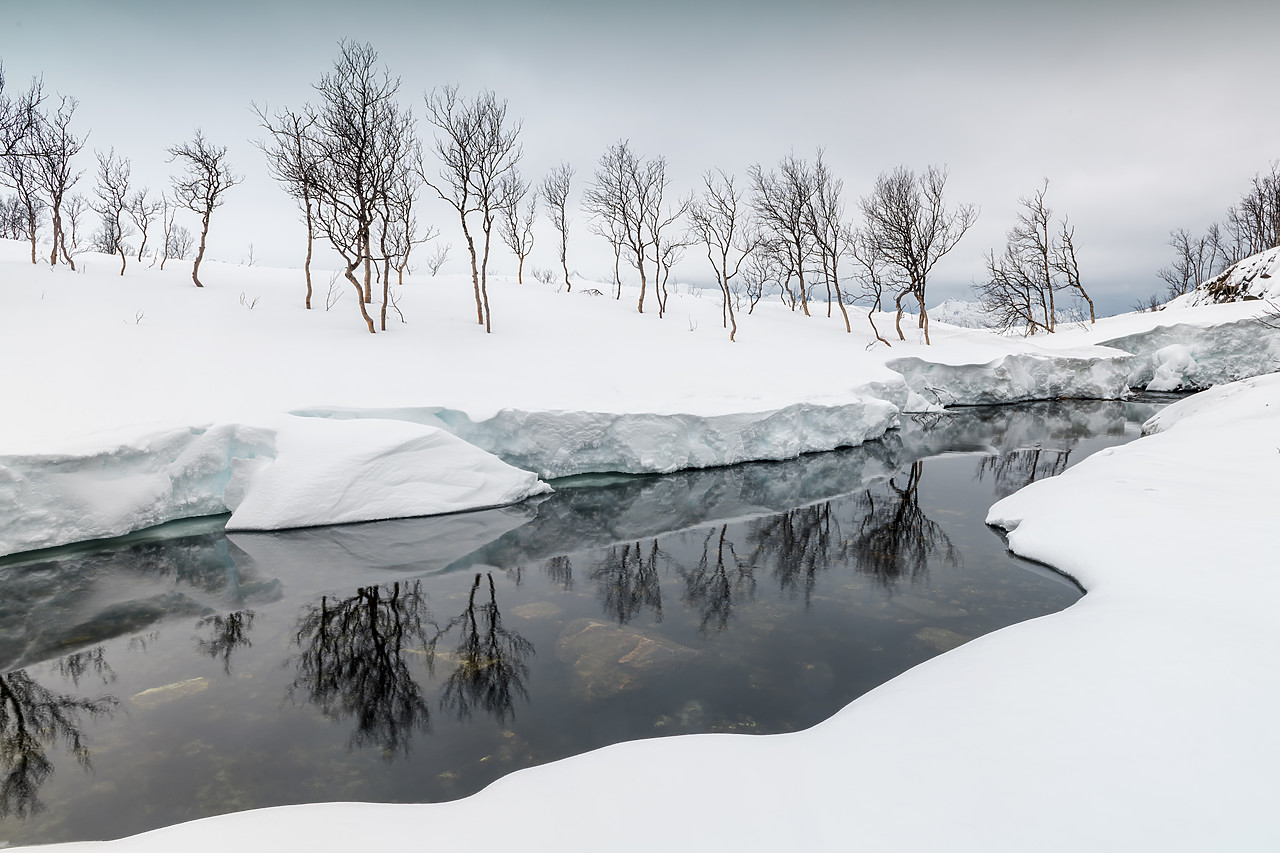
1191,356
1139,718
1015,378
560,444
286,472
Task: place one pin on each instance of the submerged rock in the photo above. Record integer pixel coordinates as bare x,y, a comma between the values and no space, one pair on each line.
608,659
941,639
167,693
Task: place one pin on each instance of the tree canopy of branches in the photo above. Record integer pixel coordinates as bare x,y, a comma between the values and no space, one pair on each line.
33,721
352,662
478,148
1196,259
113,202
516,227
20,173
52,145
626,203
200,189
907,229
289,159
1251,225
555,195
724,225
491,659
18,115
353,158
824,219
141,212
780,199
1039,261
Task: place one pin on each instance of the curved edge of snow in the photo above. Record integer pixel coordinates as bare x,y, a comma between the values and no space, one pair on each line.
285,472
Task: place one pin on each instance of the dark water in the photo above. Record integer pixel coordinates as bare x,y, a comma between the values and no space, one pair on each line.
189,672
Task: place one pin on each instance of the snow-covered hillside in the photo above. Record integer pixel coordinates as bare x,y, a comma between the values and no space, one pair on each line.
1257,277
143,399
959,312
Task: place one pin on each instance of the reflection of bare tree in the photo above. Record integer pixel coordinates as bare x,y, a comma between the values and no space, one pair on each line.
352,662
32,720
894,539
491,668
1019,468
73,667
141,642
627,581
227,634
709,589
798,543
559,570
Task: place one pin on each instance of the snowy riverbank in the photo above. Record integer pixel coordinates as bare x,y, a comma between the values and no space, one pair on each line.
1139,718
144,399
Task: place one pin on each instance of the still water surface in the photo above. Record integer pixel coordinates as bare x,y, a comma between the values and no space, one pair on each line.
191,672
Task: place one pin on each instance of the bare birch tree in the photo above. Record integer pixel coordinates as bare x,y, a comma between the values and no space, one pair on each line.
52,145
113,202
20,173
361,146
18,114
724,226
626,204
908,227
142,212
477,148
289,160
780,199
74,207
516,227
200,189
1039,261
824,218
555,195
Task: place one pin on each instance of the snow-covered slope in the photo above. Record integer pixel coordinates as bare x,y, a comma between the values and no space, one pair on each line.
1257,277
959,312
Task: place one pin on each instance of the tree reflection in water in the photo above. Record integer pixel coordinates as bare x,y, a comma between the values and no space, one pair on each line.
798,543
491,659
227,634
710,589
894,539
559,570
1019,468
352,663
627,582
33,720
73,667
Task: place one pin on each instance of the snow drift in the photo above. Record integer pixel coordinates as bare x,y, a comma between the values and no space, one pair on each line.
286,472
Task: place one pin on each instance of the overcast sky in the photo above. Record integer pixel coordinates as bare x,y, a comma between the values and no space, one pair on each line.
1145,116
